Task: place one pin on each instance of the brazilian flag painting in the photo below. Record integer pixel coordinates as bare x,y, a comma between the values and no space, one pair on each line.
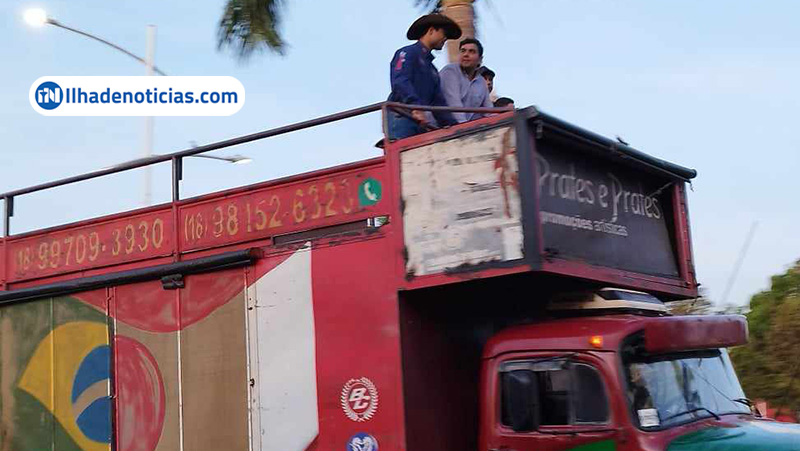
55,366
62,359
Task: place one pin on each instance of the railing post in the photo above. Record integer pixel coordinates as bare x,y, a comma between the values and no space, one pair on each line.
177,176
385,124
7,214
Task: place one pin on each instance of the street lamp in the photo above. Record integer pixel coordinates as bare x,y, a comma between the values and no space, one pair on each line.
37,17
233,159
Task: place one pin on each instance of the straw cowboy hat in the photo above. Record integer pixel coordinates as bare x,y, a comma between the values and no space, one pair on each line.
421,25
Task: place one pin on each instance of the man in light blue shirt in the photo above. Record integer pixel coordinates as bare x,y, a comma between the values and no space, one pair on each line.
461,83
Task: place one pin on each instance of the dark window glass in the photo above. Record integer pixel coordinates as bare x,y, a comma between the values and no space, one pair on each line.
591,405
570,394
554,393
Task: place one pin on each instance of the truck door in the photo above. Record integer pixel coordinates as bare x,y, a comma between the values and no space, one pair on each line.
553,403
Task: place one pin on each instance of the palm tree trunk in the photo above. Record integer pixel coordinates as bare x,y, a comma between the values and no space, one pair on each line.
463,13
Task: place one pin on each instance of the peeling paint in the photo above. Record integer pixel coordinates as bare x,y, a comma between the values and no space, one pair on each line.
462,202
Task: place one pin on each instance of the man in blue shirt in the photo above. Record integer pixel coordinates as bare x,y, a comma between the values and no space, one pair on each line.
461,82
414,78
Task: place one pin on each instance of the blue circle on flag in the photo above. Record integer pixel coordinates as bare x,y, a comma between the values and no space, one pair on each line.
90,401
49,95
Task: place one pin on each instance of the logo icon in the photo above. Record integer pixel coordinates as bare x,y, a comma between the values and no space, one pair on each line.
362,442
49,95
369,192
359,399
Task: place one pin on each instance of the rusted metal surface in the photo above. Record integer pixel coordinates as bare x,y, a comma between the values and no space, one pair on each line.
462,203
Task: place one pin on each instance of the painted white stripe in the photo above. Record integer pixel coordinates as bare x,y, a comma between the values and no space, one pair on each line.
97,390
287,381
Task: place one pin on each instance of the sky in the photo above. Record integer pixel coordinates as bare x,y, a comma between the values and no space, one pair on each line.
710,85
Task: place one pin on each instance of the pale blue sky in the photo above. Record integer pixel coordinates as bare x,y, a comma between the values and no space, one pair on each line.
710,85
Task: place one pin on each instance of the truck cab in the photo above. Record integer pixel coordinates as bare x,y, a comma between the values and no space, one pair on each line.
615,373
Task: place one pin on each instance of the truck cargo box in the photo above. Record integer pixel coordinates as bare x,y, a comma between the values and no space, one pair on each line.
530,192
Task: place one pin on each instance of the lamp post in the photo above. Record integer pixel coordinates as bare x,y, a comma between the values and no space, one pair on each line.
148,121
37,17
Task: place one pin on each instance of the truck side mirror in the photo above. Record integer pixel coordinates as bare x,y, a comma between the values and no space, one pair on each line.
519,398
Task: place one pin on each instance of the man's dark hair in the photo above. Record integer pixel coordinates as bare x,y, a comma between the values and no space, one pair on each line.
503,101
472,41
486,72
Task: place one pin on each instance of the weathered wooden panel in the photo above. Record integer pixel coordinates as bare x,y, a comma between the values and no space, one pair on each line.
214,365
146,368
22,328
54,376
81,365
462,202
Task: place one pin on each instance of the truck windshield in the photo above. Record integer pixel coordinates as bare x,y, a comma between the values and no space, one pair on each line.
668,390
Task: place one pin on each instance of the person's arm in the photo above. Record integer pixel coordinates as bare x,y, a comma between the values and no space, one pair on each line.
443,117
451,91
400,77
487,101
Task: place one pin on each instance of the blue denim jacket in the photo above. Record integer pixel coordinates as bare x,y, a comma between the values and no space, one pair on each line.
415,80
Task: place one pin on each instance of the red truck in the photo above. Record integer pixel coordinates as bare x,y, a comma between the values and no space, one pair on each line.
490,286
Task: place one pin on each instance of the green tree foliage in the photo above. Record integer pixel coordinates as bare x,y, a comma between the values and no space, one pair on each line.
769,366
251,25
697,306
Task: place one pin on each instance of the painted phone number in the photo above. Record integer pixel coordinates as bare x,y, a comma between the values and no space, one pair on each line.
127,240
278,210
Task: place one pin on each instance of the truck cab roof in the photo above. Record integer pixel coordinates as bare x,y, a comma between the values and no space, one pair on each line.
663,334
567,334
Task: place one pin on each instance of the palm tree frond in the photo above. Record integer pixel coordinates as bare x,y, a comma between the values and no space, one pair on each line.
251,25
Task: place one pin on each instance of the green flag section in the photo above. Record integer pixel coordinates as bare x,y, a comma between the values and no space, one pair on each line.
758,435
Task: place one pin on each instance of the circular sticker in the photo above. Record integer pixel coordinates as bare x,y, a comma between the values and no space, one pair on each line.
362,442
369,192
359,399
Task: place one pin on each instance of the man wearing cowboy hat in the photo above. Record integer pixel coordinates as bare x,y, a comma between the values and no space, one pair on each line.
415,80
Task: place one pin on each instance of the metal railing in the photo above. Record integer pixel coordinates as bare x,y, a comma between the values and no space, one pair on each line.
177,157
